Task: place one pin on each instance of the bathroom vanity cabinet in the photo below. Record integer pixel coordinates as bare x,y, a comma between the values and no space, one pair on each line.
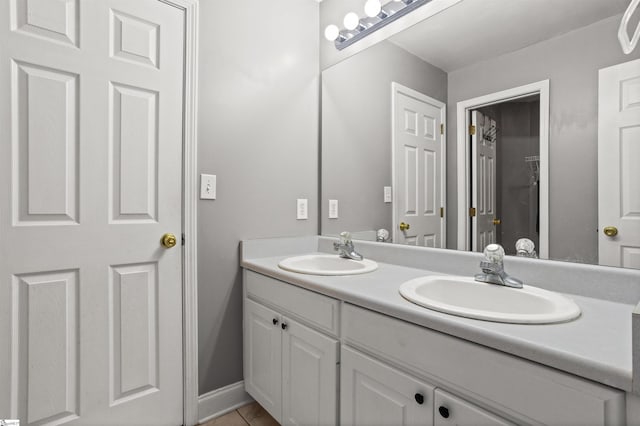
290,368
306,354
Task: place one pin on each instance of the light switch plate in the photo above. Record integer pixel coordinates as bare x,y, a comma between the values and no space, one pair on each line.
333,209
302,209
387,194
207,187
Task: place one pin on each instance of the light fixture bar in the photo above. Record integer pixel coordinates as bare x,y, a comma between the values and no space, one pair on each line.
347,38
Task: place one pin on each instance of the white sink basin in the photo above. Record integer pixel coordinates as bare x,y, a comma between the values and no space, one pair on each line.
463,296
327,264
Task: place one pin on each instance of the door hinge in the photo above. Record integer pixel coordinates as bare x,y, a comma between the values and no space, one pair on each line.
472,212
472,129
441,211
442,128
182,239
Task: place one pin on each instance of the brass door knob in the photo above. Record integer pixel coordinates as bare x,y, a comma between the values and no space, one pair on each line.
404,226
497,221
610,231
169,240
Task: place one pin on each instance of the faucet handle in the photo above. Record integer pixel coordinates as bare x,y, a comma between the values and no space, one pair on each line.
525,247
494,253
345,237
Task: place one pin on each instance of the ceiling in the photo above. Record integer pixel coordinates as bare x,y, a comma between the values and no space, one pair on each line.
472,30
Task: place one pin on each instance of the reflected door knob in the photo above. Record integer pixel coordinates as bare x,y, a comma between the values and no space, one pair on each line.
610,231
169,240
497,221
404,226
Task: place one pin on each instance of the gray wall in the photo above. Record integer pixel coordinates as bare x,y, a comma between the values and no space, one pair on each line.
258,132
356,131
571,63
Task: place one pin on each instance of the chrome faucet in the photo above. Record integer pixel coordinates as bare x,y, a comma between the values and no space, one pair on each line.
345,247
493,268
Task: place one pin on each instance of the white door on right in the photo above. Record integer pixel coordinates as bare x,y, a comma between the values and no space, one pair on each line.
618,170
483,187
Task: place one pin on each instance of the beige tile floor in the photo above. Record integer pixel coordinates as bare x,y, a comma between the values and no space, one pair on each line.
249,415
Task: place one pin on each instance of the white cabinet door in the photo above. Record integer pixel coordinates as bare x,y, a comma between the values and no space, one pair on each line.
375,394
309,376
263,356
450,410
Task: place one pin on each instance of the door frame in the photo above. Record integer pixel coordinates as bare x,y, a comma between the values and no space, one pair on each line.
190,9
540,88
395,88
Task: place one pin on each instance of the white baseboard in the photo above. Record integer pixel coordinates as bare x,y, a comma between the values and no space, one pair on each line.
221,401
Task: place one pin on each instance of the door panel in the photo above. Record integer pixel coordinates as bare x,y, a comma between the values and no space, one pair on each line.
133,329
618,159
45,158
53,20
90,145
133,188
46,335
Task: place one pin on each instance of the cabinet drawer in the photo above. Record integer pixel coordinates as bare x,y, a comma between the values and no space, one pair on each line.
315,309
509,383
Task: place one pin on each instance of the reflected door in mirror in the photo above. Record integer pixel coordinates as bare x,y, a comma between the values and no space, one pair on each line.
418,168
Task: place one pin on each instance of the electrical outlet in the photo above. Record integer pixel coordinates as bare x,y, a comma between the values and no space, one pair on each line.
302,209
387,194
333,209
207,187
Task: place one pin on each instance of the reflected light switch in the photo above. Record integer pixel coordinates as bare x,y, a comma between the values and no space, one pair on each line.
387,194
333,209
207,187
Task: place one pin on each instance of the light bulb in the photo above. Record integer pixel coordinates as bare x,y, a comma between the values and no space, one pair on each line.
372,8
331,32
351,21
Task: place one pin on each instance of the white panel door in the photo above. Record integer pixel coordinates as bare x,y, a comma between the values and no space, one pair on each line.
372,393
309,376
618,160
483,185
90,161
263,356
418,168
451,410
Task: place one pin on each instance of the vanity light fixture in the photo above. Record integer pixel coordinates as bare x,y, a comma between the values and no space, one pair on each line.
377,16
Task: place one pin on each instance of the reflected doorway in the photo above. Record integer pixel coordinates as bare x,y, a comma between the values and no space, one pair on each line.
503,154
505,173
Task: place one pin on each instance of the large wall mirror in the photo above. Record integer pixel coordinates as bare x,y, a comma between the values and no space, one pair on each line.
481,124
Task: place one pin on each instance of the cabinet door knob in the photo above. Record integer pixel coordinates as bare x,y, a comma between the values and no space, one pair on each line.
275,321
444,411
284,325
419,398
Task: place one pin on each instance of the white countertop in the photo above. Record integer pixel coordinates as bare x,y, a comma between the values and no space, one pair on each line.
596,346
